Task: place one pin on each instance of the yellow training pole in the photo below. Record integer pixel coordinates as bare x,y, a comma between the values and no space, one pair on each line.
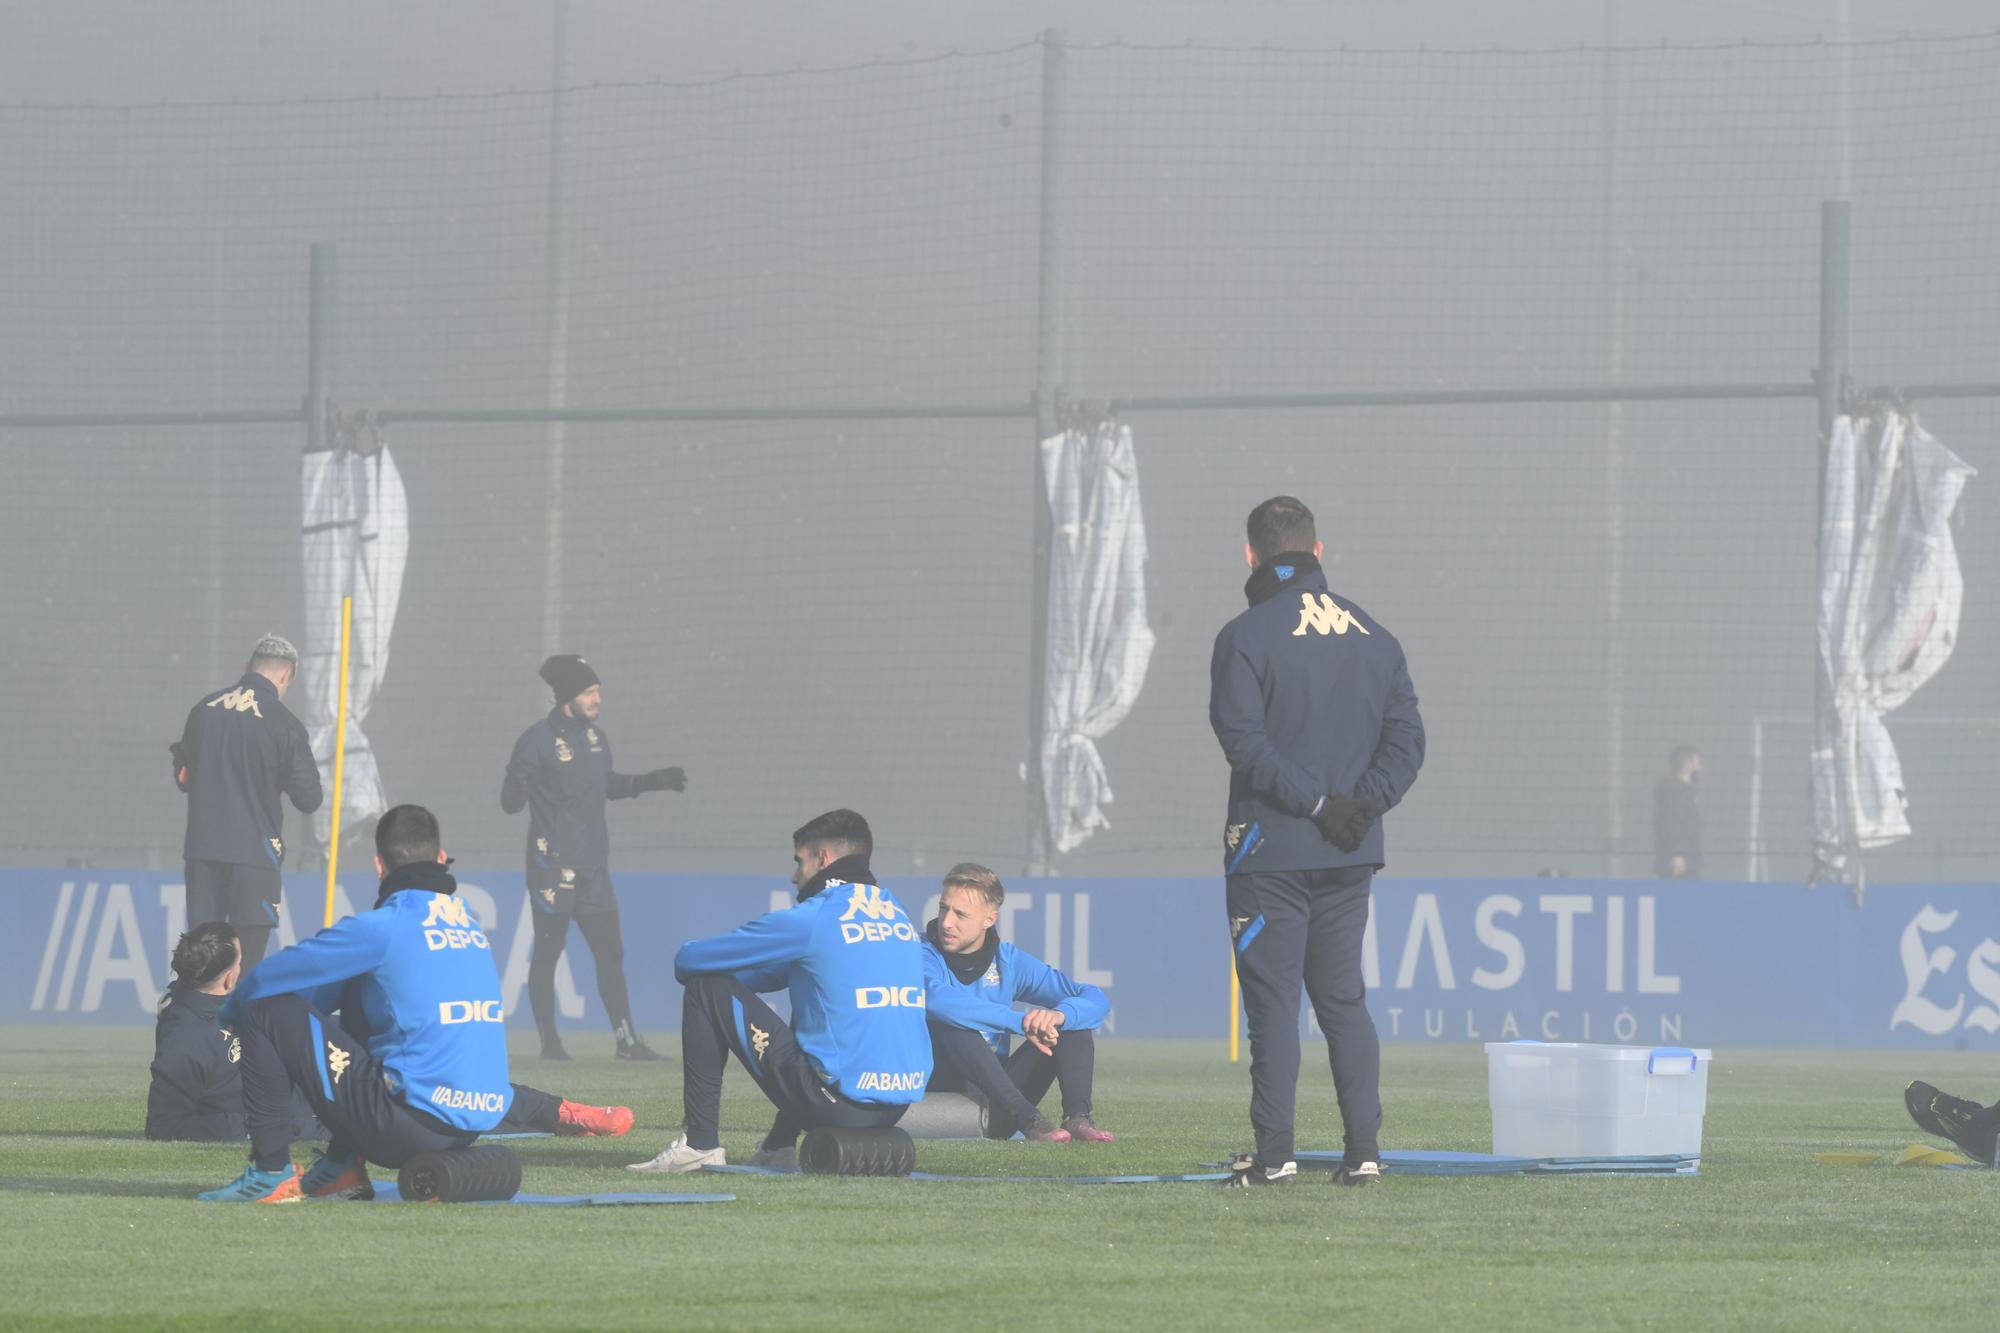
1235,1010
340,756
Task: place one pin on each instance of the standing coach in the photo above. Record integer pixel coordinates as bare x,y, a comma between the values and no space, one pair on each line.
240,750
561,770
1313,705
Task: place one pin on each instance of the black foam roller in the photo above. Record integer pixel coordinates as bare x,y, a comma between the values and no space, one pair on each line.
484,1172
858,1152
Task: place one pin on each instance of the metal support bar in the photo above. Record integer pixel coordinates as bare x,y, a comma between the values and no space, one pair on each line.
808,412
1636,393
1619,393
319,345
1049,350
555,270
1833,324
89,420
1831,378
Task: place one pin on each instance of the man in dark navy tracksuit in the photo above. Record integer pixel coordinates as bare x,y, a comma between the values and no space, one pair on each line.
239,752
561,771
1313,705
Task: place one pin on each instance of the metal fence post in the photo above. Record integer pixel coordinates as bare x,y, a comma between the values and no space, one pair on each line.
320,295
319,345
1611,275
1831,380
1048,401
555,267
1833,326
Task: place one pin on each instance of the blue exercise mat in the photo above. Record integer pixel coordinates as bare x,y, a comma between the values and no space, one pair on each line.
387,1192
1421,1163
1009,1179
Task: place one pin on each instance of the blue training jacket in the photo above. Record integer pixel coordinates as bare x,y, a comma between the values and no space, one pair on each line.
429,990
851,960
986,1004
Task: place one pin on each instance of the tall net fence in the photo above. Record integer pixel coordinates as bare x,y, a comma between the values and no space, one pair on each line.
811,582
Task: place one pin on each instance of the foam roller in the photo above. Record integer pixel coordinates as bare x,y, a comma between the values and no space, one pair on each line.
858,1152
479,1174
944,1115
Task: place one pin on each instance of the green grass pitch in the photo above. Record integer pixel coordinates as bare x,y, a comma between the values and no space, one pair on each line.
97,1226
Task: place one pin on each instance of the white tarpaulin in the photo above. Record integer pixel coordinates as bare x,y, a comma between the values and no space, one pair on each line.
356,533
1099,641
1890,594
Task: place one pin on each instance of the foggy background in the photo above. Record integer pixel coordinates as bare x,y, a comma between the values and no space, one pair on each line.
816,613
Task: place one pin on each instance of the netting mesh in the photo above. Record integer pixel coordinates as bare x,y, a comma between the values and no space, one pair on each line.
815,612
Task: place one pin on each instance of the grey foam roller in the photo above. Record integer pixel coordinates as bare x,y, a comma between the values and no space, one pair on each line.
944,1115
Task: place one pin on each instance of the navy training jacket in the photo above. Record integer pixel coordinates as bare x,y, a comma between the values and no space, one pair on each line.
240,750
561,770
196,1091
1308,695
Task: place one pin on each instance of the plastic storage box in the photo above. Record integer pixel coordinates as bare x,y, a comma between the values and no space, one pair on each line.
1568,1099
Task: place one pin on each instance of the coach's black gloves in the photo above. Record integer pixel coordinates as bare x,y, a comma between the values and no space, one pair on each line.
1345,820
662,779
178,754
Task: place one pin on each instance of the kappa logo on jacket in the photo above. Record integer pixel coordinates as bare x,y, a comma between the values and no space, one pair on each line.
242,699
868,901
450,926
885,920
1325,616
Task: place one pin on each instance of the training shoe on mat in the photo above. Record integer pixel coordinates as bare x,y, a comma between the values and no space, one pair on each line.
553,1050
1968,1124
1244,1173
782,1158
678,1159
592,1122
1081,1129
255,1186
1044,1130
1358,1173
637,1050
331,1178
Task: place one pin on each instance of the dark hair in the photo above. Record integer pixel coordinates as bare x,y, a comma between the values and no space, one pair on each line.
406,835
205,952
842,832
1282,523
1680,754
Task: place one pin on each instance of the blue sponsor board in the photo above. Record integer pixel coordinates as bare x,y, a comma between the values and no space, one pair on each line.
1447,959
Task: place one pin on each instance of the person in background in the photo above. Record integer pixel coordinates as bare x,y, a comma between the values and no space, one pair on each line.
241,750
561,771
854,1055
972,980
1311,700
1677,816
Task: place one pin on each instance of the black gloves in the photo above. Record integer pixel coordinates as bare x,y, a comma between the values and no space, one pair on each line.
662,779
178,754
1345,820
